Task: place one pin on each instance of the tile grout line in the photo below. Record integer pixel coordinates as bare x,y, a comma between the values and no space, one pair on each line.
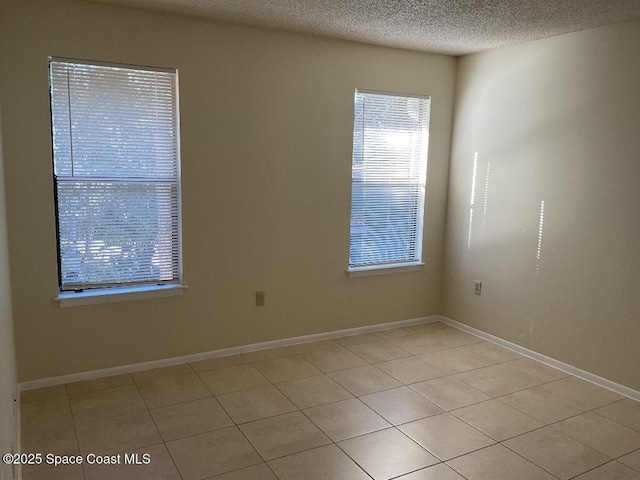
164,443
221,353
611,460
543,359
402,384
75,430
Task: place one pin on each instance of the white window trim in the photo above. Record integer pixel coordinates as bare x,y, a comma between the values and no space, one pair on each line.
68,298
389,269
118,294
417,264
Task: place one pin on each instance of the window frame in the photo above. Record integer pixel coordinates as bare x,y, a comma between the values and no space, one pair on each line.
121,291
399,266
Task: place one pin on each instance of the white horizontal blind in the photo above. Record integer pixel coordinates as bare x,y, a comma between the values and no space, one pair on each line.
390,144
116,171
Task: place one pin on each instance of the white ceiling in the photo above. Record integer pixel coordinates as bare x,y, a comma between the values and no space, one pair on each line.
452,27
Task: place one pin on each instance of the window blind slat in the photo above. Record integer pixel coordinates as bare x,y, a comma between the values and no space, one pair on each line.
113,121
390,142
116,166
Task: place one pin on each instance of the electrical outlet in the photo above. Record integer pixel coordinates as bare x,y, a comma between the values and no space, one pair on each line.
477,289
259,299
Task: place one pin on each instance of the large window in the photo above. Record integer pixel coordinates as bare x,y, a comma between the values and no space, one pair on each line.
390,143
116,174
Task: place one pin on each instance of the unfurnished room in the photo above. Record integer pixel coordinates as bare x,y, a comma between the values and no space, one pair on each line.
319,240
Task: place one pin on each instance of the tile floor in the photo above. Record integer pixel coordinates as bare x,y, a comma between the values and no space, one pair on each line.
427,402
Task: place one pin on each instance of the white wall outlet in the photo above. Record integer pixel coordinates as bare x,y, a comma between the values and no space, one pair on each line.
477,288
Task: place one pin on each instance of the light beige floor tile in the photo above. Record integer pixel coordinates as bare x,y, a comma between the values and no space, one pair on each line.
313,391
212,453
379,351
45,414
493,381
454,361
190,418
355,339
497,419
436,472
58,441
418,343
410,370
556,453
600,433
632,460
626,412
117,434
163,372
233,379
334,359
169,391
61,472
542,405
345,419
449,393
400,405
445,436
585,394
99,383
531,372
286,368
387,454
364,380
283,435
454,337
490,352
324,463
610,471
396,332
268,354
160,466
257,472
218,362
497,463
255,404
99,404
44,393
314,346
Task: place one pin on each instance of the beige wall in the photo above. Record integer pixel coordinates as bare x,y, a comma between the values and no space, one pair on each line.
266,158
8,381
553,121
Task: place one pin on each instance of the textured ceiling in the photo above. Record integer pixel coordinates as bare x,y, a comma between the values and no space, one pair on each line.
452,27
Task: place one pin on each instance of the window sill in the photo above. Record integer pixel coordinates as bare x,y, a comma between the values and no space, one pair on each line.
113,295
384,269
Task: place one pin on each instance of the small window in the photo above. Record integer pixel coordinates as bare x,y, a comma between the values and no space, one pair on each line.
388,176
116,170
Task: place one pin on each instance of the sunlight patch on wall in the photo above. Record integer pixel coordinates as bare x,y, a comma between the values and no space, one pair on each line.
540,233
474,182
533,312
486,197
532,325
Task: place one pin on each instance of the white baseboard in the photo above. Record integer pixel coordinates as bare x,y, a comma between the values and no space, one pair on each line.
166,362
552,362
564,367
